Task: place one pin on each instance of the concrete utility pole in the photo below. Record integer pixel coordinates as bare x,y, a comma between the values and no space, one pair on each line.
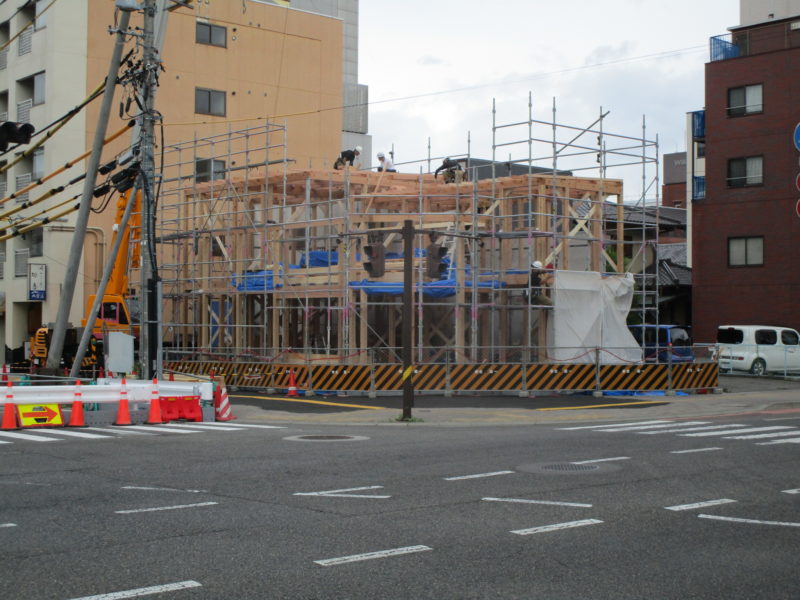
76,249
151,285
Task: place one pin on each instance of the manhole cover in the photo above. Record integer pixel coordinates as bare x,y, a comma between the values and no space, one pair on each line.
569,467
326,438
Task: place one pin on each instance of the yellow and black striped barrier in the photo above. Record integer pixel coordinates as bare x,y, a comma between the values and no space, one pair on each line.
456,378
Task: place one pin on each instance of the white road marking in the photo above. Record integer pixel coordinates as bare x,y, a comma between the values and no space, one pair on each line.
159,489
700,504
759,436
146,591
597,460
4,442
79,434
243,425
684,429
8,524
328,562
696,450
26,436
736,520
795,491
738,431
613,425
477,475
205,426
556,527
343,493
525,501
141,510
118,430
156,428
662,426
789,441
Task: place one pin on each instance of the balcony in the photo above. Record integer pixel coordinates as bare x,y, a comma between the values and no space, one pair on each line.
755,40
698,187
699,125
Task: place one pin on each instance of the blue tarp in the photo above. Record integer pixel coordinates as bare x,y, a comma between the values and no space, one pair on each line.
251,281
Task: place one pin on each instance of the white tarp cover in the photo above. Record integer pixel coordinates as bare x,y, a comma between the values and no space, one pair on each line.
590,311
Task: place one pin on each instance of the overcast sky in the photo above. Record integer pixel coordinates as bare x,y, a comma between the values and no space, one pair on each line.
434,66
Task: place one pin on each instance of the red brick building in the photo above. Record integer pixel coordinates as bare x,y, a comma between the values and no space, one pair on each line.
745,230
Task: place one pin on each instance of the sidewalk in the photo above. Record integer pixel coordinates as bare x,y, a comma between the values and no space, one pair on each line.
771,395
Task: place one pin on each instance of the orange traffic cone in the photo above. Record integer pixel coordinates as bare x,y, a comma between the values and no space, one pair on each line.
5,373
222,408
9,411
123,411
76,417
154,416
292,384
172,376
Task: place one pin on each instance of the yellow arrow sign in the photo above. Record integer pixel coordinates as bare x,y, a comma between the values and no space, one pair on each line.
40,415
407,373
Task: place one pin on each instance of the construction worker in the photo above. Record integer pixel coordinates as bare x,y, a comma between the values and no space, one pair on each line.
386,164
453,171
347,156
539,277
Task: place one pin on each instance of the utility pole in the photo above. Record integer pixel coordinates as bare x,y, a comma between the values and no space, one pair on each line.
408,313
76,249
150,289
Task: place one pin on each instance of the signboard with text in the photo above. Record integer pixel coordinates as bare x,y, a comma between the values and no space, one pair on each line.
37,281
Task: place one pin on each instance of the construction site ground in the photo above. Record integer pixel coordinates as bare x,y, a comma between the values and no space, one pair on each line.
735,395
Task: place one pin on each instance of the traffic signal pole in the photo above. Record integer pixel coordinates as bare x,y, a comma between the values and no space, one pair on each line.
76,249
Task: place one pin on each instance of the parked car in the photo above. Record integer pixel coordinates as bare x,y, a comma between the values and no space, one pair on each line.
758,349
664,343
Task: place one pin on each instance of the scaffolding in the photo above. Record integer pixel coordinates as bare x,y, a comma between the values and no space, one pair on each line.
264,262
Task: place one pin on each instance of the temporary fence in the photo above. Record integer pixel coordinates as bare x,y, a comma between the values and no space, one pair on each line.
700,373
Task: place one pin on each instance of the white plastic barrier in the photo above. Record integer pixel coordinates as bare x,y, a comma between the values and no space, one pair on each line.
106,390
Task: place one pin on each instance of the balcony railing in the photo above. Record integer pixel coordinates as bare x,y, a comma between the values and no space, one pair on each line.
698,187
26,41
723,48
24,111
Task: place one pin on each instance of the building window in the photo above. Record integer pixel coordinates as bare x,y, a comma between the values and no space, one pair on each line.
38,163
746,171
213,35
209,102
745,100
745,251
36,245
208,169
38,88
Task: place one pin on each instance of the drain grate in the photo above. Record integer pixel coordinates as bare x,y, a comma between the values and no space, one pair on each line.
324,437
569,467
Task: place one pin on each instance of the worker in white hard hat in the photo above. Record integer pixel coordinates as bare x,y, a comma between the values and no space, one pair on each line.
537,293
386,164
347,156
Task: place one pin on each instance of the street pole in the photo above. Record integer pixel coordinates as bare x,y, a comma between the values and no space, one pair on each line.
76,249
408,312
148,343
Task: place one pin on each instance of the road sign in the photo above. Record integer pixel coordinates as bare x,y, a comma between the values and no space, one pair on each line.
40,415
797,137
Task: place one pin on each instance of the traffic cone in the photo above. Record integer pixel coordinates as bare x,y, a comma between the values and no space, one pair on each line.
154,416
76,416
5,373
222,408
172,376
9,411
123,411
292,384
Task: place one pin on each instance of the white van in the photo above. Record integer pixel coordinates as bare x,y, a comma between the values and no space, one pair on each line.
758,348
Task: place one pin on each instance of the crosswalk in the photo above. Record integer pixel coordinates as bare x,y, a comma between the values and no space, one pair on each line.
762,435
55,434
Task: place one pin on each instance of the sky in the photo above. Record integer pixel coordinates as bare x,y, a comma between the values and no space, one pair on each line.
434,69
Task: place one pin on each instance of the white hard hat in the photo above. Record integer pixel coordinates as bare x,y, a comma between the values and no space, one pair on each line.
536,264
358,149
380,155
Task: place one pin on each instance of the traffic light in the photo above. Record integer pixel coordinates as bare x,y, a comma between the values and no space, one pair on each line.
434,259
376,266
15,133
